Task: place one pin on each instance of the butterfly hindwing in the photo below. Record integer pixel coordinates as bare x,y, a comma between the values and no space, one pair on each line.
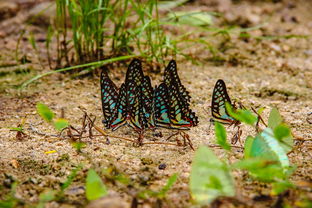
109,97
219,98
120,116
161,106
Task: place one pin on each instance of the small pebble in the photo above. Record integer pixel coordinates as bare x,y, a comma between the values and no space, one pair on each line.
162,166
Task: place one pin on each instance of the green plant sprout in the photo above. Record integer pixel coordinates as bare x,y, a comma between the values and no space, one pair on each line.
265,159
95,187
45,112
161,194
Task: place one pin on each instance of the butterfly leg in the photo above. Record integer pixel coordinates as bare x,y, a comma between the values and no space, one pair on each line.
236,136
187,140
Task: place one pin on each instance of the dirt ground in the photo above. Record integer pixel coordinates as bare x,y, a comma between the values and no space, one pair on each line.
274,72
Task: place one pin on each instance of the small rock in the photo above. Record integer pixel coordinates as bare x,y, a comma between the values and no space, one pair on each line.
15,164
162,166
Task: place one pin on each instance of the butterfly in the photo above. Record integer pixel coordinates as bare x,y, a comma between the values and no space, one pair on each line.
134,104
109,97
172,102
218,109
219,113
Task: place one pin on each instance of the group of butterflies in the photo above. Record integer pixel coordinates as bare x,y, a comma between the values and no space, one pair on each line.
139,105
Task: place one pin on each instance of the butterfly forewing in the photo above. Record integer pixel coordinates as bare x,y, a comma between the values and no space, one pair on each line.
109,97
134,72
147,101
219,98
171,77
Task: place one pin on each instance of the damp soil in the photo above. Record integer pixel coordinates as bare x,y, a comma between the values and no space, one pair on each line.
272,69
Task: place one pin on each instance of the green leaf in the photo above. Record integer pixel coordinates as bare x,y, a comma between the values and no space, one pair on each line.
60,124
170,4
241,115
194,18
267,147
281,186
252,164
16,129
45,112
247,146
284,136
95,187
275,118
167,187
281,131
221,136
210,177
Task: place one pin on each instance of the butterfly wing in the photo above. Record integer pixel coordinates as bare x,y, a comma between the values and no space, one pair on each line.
147,101
219,98
171,77
178,109
134,72
161,106
120,116
109,97
136,115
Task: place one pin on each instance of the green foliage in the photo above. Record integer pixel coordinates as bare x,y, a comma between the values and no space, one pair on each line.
241,115
281,131
45,197
45,112
79,145
275,118
95,187
247,146
70,177
161,194
60,124
194,18
281,186
10,201
210,178
221,136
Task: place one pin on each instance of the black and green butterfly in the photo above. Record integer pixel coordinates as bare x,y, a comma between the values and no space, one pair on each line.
172,102
109,97
134,108
218,109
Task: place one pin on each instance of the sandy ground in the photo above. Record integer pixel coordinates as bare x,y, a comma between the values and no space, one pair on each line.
258,73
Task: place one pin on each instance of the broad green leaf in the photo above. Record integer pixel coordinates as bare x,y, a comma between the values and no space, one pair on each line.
241,115
281,186
60,124
194,18
45,112
45,197
252,164
247,146
95,187
284,136
275,118
210,178
267,147
221,136
281,131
